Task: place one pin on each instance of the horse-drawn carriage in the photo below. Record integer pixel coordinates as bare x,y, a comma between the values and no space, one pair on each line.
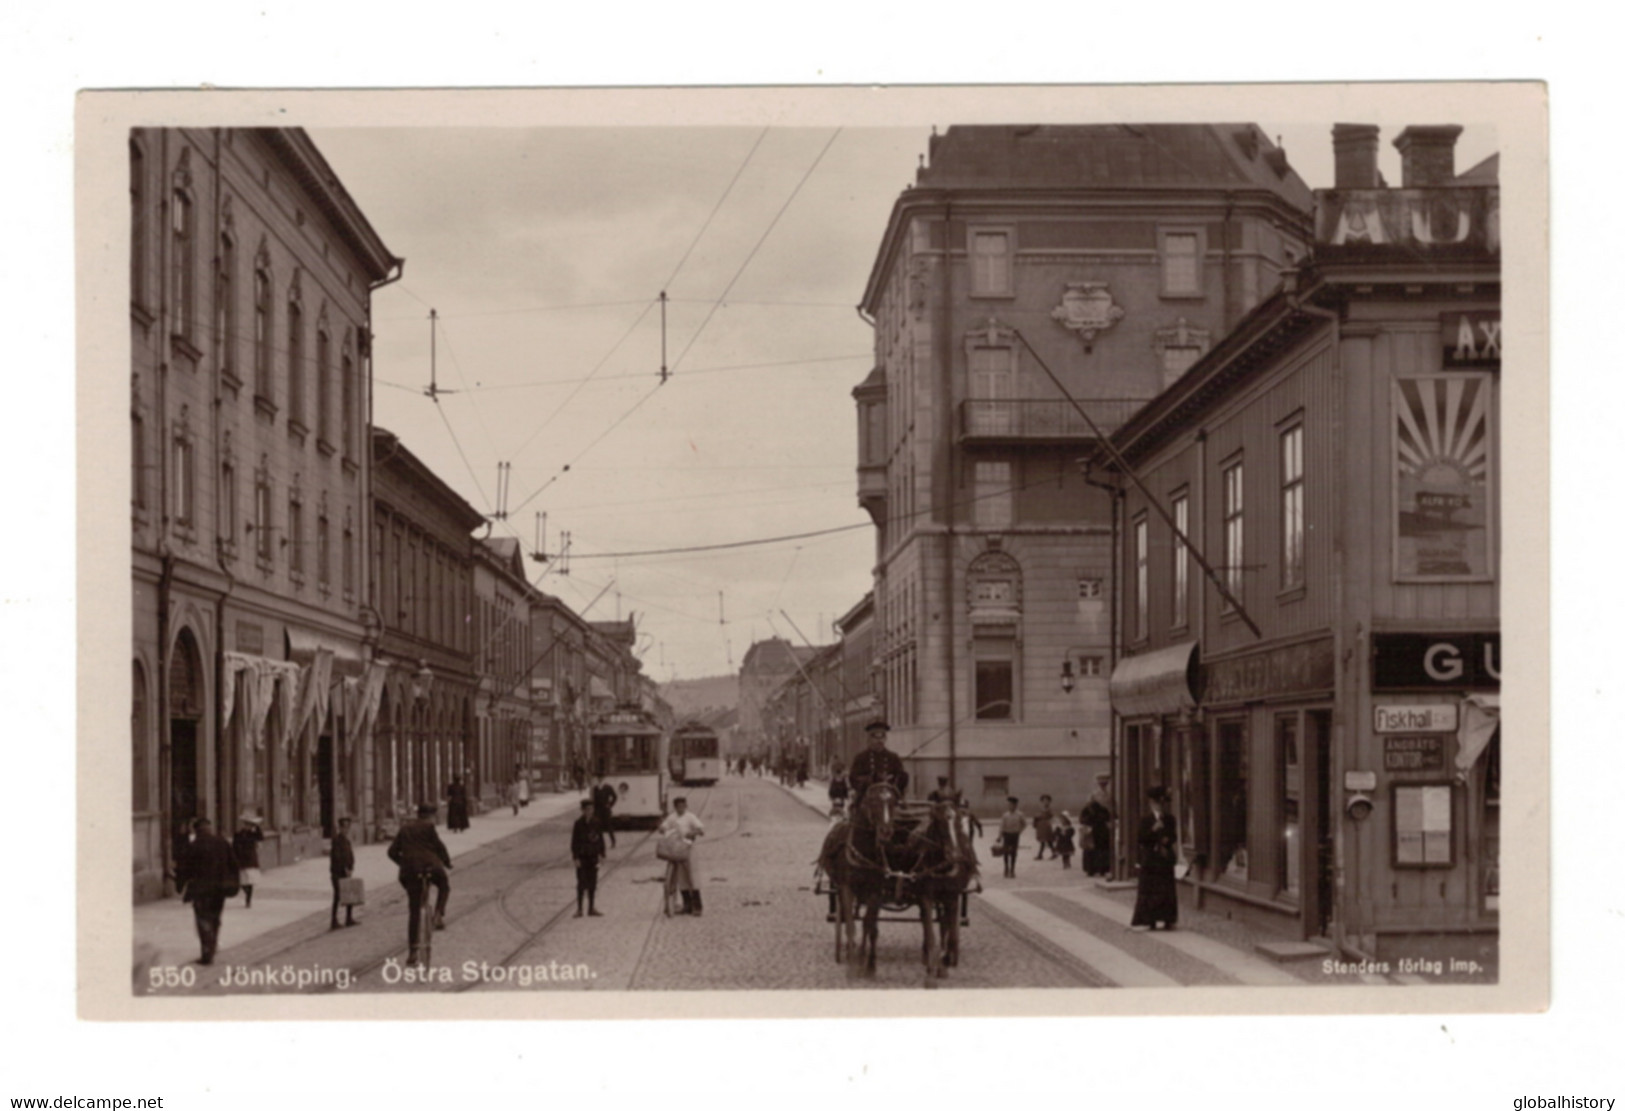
892,856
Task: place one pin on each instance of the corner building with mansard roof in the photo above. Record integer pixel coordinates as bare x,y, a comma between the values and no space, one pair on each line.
1028,272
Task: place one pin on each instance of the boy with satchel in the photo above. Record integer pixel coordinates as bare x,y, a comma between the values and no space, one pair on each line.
686,826
341,862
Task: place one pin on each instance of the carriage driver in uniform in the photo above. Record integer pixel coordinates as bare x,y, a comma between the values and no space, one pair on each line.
876,763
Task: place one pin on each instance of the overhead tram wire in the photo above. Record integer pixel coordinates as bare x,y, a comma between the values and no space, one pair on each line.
715,208
644,374
701,329
777,216
809,535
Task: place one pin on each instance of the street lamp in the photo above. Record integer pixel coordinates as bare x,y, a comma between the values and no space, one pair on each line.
1069,678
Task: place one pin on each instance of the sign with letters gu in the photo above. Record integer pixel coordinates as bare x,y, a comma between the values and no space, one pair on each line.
1435,661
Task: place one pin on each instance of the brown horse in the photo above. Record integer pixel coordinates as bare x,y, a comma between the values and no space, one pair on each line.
894,856
945,871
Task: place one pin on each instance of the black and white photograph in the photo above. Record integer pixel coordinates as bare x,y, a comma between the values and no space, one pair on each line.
827,551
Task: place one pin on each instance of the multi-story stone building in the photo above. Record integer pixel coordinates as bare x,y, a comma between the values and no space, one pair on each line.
251,274
859,706
1312,573
423,586
502,643
1032,289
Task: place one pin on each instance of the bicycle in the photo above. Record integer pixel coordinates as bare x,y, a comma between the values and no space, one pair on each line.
427,920
673,896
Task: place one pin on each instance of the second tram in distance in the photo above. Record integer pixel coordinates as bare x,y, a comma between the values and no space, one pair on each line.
631,752
695,759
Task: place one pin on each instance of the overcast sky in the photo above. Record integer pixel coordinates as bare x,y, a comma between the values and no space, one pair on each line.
544,252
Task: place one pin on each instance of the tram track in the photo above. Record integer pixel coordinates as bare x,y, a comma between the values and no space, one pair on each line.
631,857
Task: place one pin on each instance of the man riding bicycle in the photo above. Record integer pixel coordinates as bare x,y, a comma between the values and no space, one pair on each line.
423,860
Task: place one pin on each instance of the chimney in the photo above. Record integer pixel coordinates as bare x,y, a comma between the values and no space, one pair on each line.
1427,155
1354,149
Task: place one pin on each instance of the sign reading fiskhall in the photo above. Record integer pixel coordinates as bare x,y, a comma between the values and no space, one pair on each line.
1430,661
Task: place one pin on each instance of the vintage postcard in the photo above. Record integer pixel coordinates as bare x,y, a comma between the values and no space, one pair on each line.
813,552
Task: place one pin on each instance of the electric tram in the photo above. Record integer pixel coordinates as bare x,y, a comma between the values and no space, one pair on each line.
695,760
631,752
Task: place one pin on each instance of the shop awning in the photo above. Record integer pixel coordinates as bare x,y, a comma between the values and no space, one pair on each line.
597,688
1160,682
303,643
1480,718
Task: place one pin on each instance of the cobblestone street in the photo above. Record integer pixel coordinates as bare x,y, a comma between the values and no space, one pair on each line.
512,924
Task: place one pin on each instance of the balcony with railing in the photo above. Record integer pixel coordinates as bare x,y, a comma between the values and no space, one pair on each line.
1049,421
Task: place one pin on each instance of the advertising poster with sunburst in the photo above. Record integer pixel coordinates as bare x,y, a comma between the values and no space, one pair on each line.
1444,468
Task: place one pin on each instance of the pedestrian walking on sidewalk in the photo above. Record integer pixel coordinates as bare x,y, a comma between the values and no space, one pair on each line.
604,799
1010,827
456,805
839,788
206,874
689,827
521,792
1158,899
418,851
245,845
1065,839
1096,817
340,864
1044,827
587,849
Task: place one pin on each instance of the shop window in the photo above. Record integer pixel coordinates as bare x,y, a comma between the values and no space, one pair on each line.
996,787
1291,804
1232,801
990,255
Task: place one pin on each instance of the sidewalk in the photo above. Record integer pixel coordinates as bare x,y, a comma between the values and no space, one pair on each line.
1088,919
295,891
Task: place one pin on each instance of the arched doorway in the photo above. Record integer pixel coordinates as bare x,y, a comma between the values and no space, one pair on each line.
186,798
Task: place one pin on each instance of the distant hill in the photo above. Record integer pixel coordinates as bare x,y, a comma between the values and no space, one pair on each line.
706,697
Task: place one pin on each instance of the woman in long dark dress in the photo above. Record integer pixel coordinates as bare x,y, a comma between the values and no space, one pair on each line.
1158,897
1096,817
456,805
